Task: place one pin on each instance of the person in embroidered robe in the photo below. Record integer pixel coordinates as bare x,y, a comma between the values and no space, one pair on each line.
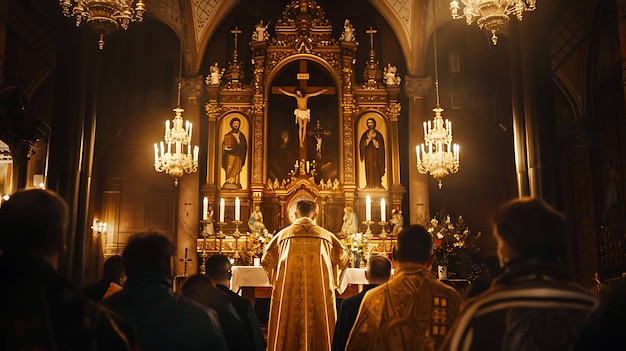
304,263
414,310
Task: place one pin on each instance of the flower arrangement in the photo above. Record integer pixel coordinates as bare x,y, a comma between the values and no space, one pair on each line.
359,247
257,241
454,247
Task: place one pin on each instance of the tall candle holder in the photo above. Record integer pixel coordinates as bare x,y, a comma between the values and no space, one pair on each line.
205,233
368,231
236,234
383,234
220,234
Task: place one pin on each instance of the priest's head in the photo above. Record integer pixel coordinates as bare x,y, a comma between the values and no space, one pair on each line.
414,245
306,208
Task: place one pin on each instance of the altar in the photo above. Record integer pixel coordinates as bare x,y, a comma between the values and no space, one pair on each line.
255,277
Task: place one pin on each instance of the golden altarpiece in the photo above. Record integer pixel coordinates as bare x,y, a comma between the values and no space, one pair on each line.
279,162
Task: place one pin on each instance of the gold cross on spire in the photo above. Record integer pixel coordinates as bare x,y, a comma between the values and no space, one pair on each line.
371,32
235,31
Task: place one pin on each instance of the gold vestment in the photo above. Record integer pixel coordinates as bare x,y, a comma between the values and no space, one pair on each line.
304,263
413,311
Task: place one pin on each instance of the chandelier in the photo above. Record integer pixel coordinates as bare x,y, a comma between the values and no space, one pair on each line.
104,16
437,155
175,162
491,14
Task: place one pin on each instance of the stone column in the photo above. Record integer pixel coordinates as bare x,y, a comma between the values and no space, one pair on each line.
621,19
416,88
189,197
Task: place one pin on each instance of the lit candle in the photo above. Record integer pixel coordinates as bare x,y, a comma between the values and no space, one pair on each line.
178,148
222,205
205,208
195,153
417,151
383,211
162,149
237,209
368,208
156,153
307,166
425,129
190,128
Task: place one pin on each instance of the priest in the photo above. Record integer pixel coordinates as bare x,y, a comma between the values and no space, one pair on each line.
304,262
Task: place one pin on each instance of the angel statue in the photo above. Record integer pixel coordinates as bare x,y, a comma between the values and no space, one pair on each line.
260,32
391,75
215,75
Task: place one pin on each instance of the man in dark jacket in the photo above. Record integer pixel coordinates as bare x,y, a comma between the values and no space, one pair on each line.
40,309
378,272
201,289
164,320
218,267
535,304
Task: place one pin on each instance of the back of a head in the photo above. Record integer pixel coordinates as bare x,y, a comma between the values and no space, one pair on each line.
306,207
33,219
197,285
217,267
148,251
532,228
113,269
414,244
378,268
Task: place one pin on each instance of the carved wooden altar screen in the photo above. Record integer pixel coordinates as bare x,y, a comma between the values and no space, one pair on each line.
329,168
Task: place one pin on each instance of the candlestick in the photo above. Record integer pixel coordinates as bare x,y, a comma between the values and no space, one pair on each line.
237,209
222,205
383,213
368,208
205,208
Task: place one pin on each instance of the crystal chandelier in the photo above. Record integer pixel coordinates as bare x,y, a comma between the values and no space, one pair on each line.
491,14
176,163
104,16
437,155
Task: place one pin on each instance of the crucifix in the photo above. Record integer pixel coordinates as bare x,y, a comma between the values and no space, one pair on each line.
371,32
235,31
185,260
302,93
318,132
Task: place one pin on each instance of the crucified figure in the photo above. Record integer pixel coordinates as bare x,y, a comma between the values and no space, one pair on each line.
302,113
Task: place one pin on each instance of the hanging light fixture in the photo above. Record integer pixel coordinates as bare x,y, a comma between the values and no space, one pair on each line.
437,155
104,16
491,14
175,162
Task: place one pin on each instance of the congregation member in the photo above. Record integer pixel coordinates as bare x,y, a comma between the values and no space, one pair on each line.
304,263
378,272
163,319
604,329
41,309
414,310
201,289
111,282
219,268
535,304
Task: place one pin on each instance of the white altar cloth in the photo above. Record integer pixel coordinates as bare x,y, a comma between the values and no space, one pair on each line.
251,276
